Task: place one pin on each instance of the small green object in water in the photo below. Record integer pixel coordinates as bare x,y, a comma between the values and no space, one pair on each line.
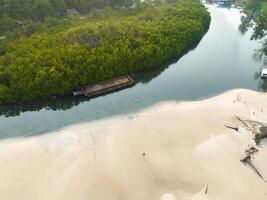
137,101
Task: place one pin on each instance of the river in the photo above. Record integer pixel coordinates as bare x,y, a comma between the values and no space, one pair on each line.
224,59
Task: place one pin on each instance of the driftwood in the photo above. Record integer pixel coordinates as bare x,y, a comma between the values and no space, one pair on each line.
247,160
246,124
259,131
251,150
231,127
263,134
206,190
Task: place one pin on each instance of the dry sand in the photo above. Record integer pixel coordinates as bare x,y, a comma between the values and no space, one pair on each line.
170,151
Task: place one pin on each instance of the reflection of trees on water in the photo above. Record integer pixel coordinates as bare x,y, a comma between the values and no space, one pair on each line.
260,54
55,104
246,23
258,34
262,82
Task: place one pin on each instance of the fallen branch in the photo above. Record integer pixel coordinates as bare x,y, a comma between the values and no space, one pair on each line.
232,127
258,129
246,125
247,160
206,190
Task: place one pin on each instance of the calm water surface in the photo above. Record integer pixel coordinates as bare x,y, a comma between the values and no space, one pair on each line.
225,59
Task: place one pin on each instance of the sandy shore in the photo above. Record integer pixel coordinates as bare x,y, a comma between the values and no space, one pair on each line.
171,151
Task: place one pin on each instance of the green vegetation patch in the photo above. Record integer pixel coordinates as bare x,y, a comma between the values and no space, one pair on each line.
258,10
58,59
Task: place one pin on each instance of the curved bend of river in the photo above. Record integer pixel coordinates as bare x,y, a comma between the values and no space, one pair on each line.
223,60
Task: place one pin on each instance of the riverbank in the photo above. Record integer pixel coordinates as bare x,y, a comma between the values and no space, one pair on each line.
168,151
185,79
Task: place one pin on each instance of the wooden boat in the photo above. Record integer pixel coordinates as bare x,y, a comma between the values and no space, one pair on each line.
107,86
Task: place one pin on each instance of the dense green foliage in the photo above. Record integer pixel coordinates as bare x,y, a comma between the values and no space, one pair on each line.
56,60
258,10
16,13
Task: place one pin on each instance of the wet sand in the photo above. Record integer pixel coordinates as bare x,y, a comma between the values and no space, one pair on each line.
170,151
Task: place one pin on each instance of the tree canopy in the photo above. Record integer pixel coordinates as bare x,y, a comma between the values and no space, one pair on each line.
258,10
13,13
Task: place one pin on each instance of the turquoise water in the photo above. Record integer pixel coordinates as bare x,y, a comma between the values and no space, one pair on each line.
224,59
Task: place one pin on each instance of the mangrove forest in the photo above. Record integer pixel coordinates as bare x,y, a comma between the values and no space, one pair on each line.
60,57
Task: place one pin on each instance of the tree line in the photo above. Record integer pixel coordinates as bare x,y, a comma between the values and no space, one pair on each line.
14,13
59,59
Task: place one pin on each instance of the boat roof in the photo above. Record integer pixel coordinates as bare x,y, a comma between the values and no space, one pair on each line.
264,71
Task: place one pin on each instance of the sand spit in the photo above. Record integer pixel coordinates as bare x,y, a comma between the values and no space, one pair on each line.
171,151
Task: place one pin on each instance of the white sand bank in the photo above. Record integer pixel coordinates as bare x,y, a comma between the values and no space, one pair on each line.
168,152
